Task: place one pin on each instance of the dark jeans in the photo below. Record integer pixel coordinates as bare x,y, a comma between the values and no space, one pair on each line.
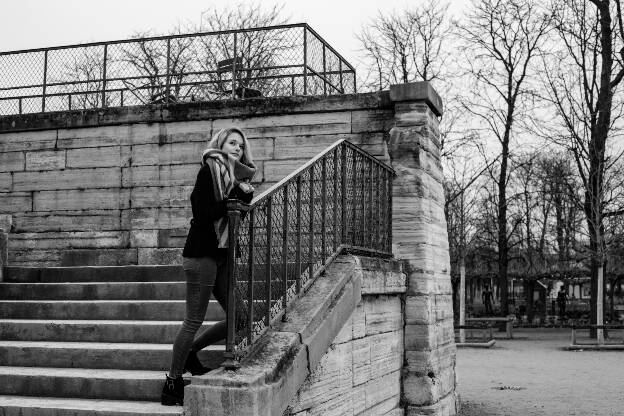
205,276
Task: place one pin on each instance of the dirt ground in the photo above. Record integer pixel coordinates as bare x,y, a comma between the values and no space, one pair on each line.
533,375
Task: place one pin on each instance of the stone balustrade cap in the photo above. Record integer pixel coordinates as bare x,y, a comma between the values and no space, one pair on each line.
417,91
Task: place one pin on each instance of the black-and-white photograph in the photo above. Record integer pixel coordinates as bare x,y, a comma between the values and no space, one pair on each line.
333,208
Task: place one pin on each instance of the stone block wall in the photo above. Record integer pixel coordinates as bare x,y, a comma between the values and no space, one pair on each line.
360,374
112,187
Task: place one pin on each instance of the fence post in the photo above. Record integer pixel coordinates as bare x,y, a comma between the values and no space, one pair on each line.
233,214
104,75
305,60
324,210
324,71
234,68
168,72
45,80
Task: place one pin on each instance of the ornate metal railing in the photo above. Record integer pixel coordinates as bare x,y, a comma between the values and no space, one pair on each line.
269,61
340,200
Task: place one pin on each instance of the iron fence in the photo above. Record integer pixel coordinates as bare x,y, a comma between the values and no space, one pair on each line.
269,61
340,200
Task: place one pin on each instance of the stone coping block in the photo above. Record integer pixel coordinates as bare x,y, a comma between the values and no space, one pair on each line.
418,91
272,374
200,110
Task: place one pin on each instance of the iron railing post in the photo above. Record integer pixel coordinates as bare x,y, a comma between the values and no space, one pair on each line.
377,215
69,102
335,201
305,60
285,250
45,81
311,236
233,214
354,224
369,225
389,224
104,75
324,210
298,242
267,266
250,281
343,202
19,103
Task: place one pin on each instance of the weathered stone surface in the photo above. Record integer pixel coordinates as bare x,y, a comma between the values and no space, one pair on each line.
420,239
6,181
419,92
15,202
68,200
4,251
45,160
67,179
98,257
92,220
30,140
92,157
12,161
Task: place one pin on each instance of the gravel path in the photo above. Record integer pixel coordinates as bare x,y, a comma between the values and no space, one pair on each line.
533,375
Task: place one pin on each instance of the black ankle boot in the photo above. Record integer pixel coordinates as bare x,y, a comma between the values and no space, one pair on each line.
173,391
194,366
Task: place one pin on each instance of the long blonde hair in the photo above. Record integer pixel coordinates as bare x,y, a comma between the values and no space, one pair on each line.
219,138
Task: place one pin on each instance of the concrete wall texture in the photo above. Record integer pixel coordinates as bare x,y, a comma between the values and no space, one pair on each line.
110,187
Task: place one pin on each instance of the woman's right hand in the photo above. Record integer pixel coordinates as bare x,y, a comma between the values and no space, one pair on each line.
246,187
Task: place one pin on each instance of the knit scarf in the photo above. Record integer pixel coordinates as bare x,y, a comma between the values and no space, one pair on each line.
226,172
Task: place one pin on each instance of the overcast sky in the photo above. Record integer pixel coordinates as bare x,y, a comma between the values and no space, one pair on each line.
27,24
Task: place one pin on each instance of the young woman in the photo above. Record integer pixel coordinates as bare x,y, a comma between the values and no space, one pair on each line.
226,172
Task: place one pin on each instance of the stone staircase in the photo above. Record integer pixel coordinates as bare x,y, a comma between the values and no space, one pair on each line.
91,341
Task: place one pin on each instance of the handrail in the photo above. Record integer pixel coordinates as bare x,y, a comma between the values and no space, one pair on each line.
282,60
340,200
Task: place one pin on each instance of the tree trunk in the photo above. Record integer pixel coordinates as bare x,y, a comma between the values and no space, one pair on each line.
503,248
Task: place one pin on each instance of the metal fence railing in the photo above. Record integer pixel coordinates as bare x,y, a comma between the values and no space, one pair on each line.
269,61
340,200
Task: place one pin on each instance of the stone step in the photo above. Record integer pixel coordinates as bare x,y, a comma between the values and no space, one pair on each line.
53,406
152,273
90,330
95,291
82,383
121,356
103,309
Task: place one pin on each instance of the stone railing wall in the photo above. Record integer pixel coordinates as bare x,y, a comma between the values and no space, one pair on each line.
361,372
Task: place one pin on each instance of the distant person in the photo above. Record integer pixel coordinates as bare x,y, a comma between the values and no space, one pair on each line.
486,296
562,297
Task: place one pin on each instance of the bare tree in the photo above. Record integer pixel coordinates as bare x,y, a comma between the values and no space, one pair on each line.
582,81
406,46
502,39
257,54
159,67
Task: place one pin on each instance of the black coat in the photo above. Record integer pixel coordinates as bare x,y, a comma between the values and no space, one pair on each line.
202,238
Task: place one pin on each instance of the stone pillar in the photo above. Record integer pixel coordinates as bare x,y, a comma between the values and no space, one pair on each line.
420,240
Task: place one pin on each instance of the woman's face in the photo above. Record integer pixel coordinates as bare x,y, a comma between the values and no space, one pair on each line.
234,145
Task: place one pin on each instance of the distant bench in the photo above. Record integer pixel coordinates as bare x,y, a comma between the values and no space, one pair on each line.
507,320
604,327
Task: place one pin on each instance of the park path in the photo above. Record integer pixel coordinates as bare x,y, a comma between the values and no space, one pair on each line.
532,375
